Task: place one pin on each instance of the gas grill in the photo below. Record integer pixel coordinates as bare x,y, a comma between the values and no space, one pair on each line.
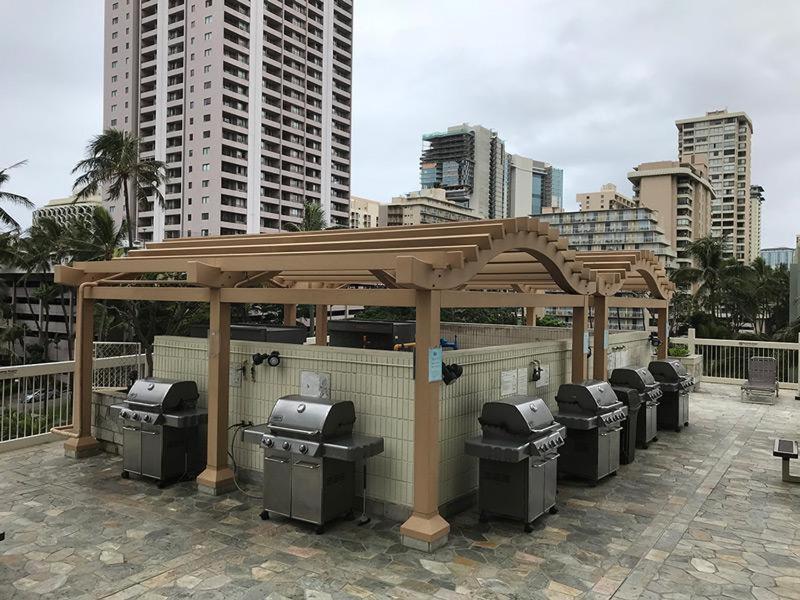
593,417
641,381
161,434
310,452
676,383
518,454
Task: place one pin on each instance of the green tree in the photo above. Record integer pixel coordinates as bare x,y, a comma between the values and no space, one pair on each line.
113,162
7,197
313,218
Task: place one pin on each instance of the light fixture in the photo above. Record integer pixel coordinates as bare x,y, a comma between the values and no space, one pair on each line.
451,372
654,340
273,358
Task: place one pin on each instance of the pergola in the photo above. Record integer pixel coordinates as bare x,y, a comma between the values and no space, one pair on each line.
502,263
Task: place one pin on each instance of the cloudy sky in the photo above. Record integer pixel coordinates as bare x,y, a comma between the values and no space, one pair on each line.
593,87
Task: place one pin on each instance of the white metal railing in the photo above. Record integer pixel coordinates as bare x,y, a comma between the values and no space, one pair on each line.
725,361
35,398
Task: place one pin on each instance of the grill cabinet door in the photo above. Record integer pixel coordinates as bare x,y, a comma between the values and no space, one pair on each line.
613,456
132,449
603,453
683,409
151,452
277,483
307,490
536,483
550,477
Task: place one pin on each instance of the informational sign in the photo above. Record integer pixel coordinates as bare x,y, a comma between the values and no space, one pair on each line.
544,377
508,383
522,381
434,364
605,339
315,384
586,342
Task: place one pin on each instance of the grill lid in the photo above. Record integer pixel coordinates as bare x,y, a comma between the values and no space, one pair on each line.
517,416
591,396
319,418
638,378
669,370
161,395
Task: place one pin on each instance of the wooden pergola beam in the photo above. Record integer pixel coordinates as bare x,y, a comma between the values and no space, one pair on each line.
476,299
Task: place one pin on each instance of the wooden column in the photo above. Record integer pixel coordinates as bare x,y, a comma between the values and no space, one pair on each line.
663,335
530,316
580,326
321,312
218,476
426,529
290,314
83,444
600,349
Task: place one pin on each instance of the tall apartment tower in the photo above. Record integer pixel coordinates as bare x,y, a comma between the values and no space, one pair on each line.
534,187
247,101
470,163
725,137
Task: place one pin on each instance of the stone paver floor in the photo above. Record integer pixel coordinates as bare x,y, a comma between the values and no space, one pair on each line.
701,514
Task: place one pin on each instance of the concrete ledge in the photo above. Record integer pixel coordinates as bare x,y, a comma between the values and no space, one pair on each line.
27,442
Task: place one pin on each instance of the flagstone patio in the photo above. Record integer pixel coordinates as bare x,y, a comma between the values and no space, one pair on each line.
701,514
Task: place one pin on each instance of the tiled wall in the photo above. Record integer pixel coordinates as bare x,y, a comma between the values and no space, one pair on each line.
381,386
379,383
480,335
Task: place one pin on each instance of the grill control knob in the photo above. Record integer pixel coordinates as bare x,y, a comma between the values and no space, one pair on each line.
135,416
146,418
286,445
303,449
124,414
269,442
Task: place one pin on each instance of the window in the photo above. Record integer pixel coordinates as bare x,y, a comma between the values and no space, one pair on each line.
206,117
207,35
113,64
206,167
208,3
204,200
204,232
115,6
205,151
113,35
113,122
208,19
189,217
206,101
204,216
113,79
113,93
115,20
113,107
207,52
204,183
114,50
206,134
207,69
206,85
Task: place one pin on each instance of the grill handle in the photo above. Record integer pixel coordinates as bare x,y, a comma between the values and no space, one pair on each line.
294,430
543,463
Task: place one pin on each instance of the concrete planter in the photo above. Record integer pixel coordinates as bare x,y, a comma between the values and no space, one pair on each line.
694,366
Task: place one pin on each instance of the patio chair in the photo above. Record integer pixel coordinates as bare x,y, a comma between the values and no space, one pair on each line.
762,380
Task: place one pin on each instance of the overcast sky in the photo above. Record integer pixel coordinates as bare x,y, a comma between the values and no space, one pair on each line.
592,87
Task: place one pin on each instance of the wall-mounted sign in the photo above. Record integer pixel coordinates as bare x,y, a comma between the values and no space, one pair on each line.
434,364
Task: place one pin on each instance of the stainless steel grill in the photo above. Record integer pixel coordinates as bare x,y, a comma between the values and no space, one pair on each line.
676,383
593,417
310,452
518,457
161,430
648,392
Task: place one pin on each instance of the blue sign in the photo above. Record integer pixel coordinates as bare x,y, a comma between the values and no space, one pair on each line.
434,364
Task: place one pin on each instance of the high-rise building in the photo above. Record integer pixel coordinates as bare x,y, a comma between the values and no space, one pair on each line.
429,205
608,198
533,187
469,162
681,194
725,137
364,213
248,102
756,199
66,209
774,257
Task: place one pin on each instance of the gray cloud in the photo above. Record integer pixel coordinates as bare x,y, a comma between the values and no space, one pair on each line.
594,87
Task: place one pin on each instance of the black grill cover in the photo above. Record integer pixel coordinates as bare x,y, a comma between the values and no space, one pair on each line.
638,378
515,416
669,370
313,417
592,396
162,395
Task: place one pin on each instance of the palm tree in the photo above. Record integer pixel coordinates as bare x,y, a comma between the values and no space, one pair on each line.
711,271
313,218
95,237
113,161
5,218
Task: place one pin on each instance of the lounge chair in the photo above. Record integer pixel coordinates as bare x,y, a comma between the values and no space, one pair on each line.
762,380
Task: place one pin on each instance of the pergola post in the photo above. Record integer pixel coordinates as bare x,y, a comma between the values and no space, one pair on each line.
83,444
217,477
580,327
661,315
426,529
290,314
321,313
600,351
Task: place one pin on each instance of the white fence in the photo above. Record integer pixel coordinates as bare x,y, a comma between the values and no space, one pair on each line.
35,398
725,361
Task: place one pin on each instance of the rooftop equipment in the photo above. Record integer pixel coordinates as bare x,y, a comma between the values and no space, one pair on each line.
676,383
640,382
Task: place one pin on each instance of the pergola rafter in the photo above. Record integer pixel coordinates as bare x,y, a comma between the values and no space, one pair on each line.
518,262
